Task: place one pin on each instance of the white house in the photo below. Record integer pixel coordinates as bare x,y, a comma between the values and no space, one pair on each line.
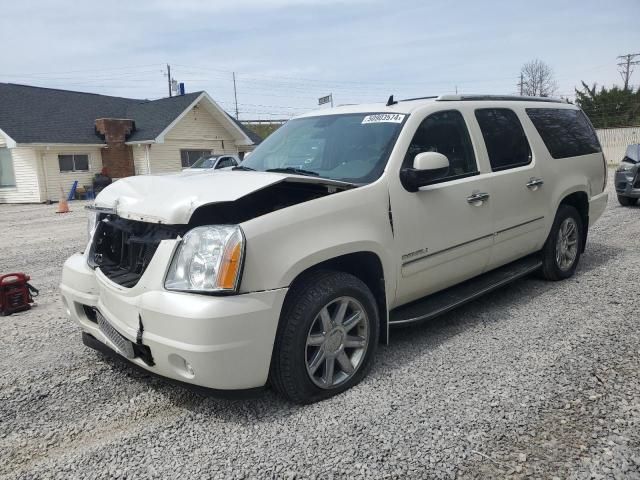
50,138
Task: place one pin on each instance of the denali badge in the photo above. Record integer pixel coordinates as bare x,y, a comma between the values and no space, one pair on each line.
412,255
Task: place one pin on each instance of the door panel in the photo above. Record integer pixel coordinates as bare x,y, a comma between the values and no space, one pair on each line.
518,214
443,236
518,194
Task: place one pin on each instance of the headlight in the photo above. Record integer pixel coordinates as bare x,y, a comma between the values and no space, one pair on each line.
625,167
208,259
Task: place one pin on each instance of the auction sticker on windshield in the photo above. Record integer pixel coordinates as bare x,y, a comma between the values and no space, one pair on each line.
383,118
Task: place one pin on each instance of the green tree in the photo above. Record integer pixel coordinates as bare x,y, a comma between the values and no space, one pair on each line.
263,129
607,108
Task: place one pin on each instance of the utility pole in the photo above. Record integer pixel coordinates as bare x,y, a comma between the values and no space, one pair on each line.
235,94
521,84
169,79
628,61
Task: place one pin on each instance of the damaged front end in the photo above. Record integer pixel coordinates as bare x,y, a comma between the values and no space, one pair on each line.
123,248
261,202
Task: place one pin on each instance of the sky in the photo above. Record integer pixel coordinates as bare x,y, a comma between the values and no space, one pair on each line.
287,53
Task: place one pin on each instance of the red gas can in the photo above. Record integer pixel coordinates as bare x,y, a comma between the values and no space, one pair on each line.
15,293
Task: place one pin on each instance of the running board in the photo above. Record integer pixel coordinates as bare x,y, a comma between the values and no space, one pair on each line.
441,302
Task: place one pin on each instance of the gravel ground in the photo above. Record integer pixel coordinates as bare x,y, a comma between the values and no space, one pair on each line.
539,380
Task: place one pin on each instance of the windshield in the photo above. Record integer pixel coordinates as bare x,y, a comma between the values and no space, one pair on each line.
205,162
633,154
350,147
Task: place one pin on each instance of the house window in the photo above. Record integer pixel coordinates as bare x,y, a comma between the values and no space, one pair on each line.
73,163
189,157
7,175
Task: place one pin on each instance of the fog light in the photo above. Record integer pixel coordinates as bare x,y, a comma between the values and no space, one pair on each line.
181,366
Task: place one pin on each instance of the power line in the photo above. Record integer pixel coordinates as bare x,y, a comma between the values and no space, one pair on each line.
102,69
628,61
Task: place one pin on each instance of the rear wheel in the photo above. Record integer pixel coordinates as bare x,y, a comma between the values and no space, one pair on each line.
327,337
561,251
627,201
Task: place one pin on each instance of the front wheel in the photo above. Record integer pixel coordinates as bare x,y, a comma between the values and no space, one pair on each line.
327,337
627,201
561,251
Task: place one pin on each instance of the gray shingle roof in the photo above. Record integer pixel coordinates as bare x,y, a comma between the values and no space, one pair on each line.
45,115
255,138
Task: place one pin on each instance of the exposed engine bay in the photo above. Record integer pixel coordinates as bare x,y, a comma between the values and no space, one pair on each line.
123,249
274,197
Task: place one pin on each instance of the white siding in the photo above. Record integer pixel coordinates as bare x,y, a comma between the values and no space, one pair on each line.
140,160
614,141
25,168
197,130
55,178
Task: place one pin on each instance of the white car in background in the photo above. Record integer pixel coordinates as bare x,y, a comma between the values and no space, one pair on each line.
290,268
215,162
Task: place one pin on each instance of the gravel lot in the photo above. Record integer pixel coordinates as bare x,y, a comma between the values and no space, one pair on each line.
539,380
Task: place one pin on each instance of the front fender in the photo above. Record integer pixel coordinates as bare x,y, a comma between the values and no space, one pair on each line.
285,243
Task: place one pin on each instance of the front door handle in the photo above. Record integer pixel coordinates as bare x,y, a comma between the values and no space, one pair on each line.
534,183
477,198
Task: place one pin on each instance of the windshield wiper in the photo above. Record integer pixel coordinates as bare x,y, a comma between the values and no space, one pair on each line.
242,167
297,171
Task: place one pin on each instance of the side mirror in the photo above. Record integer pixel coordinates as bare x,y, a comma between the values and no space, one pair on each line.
427,168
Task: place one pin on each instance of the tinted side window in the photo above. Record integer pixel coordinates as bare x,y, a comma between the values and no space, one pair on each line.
225,162
446,133
504,138
566,133
189,157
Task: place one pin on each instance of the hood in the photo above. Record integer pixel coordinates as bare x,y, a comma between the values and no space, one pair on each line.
633,154
172,199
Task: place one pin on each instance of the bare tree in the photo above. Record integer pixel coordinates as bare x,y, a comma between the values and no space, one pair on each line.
537,80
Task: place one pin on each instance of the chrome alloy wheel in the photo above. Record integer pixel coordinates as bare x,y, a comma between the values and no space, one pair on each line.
567,244
337,342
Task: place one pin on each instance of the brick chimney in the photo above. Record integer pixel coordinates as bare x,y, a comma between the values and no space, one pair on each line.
116,156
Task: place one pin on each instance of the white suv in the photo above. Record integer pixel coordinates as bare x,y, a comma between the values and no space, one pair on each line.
289,269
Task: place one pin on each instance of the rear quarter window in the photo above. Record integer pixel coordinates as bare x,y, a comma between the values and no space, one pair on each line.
566,133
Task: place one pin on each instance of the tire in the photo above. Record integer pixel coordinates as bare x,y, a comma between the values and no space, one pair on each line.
627,201
306,335
554,268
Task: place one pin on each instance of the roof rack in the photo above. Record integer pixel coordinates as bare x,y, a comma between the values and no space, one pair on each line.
453,98
418,98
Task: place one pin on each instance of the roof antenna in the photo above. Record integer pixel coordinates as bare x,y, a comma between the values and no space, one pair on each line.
391,101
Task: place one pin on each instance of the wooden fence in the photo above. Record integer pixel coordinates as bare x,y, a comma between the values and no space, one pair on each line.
614,142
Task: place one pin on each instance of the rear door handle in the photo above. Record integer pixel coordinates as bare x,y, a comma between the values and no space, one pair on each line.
534,183
477,198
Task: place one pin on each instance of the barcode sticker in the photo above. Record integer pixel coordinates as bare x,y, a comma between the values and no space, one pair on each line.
383,118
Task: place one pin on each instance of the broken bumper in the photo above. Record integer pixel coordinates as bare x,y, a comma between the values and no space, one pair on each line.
628,183
216,342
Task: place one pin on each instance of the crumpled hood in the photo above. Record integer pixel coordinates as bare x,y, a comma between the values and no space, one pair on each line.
173,198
